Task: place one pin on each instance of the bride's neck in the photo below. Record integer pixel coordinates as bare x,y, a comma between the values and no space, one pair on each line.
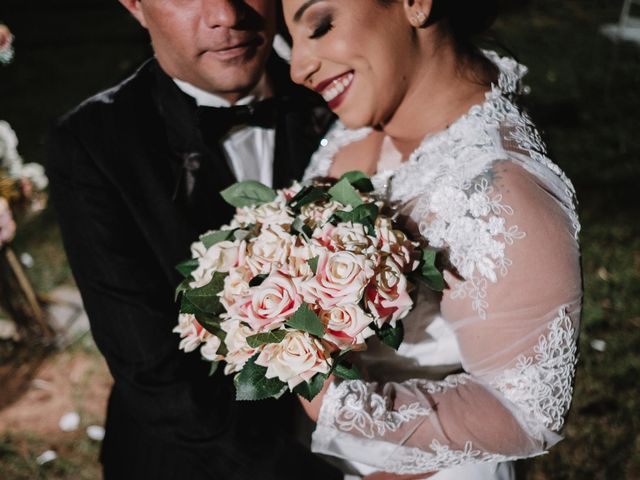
442,89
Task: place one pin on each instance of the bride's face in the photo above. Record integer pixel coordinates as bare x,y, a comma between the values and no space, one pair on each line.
356,53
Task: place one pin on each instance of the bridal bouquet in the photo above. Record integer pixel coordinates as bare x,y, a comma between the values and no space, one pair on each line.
300,278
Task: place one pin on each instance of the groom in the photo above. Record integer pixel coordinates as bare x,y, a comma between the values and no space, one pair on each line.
135,174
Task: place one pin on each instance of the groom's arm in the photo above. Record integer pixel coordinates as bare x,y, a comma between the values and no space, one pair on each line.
132,313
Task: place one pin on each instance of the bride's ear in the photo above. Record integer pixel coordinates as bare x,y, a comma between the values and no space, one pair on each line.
417,12
135,9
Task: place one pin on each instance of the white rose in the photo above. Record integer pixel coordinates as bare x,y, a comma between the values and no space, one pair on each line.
9,157
269,250
210,349
35,173
346,236
317,215
296,359
339,280
220,257
347,326
268,214
239,350
236,287
191,332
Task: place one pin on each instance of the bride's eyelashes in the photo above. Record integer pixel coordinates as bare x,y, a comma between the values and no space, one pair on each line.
324,26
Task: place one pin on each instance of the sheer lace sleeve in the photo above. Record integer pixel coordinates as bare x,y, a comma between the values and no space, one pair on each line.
513,301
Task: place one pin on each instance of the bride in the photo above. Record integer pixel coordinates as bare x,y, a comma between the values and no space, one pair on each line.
485,373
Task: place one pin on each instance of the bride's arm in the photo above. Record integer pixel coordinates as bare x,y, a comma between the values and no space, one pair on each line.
515,318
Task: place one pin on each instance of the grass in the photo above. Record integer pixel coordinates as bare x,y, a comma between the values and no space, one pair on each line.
586,99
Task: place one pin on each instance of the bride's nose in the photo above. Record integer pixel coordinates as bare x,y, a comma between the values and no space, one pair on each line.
303,66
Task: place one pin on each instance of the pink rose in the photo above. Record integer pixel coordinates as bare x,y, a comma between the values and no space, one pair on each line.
220,257
387,297
347,326
7,224
191,332
340,279
395,243
6,38
271,303
296,359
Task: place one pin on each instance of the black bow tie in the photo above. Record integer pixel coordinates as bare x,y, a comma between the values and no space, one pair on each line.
219,120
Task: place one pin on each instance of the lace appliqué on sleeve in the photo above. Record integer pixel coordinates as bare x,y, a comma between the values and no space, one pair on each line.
541,384
470,223
414,460
354,406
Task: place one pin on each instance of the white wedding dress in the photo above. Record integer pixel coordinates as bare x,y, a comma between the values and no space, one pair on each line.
485,372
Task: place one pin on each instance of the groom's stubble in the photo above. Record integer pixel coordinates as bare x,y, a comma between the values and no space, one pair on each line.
220,46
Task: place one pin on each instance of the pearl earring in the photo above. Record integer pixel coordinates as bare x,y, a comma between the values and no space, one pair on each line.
418,19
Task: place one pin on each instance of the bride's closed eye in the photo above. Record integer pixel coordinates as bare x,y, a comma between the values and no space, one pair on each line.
322,27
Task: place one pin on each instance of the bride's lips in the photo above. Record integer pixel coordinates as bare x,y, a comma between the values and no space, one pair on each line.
334,90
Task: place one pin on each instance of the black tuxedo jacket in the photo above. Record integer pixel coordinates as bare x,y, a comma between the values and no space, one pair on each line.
122,168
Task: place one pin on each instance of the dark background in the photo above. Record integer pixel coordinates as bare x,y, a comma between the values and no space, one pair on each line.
585,98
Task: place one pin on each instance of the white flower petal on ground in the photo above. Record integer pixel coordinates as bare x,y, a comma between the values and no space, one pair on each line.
95,432
46,457
69,422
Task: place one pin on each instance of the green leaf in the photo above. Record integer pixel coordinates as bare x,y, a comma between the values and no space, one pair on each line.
187,307
307,195
365,214
348,372
257,280
313,263
185,268
251,383
213,368
206,298
344,193
430,273
211,238
211,323
359,180
306,320
299,227
260,339
248,193
309,390
391,336
183,287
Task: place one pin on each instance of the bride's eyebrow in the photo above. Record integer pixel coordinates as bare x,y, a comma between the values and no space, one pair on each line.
303,8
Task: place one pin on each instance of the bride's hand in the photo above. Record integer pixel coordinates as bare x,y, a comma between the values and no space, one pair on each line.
313,407
392,476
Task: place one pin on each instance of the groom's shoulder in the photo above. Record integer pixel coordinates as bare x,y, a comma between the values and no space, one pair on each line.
99,110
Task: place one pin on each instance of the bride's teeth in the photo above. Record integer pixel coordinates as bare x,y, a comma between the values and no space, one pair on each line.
337,87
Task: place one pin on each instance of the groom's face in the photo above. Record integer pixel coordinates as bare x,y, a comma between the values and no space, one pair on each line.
220,46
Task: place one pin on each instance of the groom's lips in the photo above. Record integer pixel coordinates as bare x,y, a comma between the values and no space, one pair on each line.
235,49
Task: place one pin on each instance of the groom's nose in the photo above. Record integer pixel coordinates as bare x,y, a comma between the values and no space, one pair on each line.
222,13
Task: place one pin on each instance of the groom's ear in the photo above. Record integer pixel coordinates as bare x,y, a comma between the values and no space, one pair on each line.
135,8
417,12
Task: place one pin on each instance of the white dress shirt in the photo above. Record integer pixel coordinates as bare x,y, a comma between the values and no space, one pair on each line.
249,150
